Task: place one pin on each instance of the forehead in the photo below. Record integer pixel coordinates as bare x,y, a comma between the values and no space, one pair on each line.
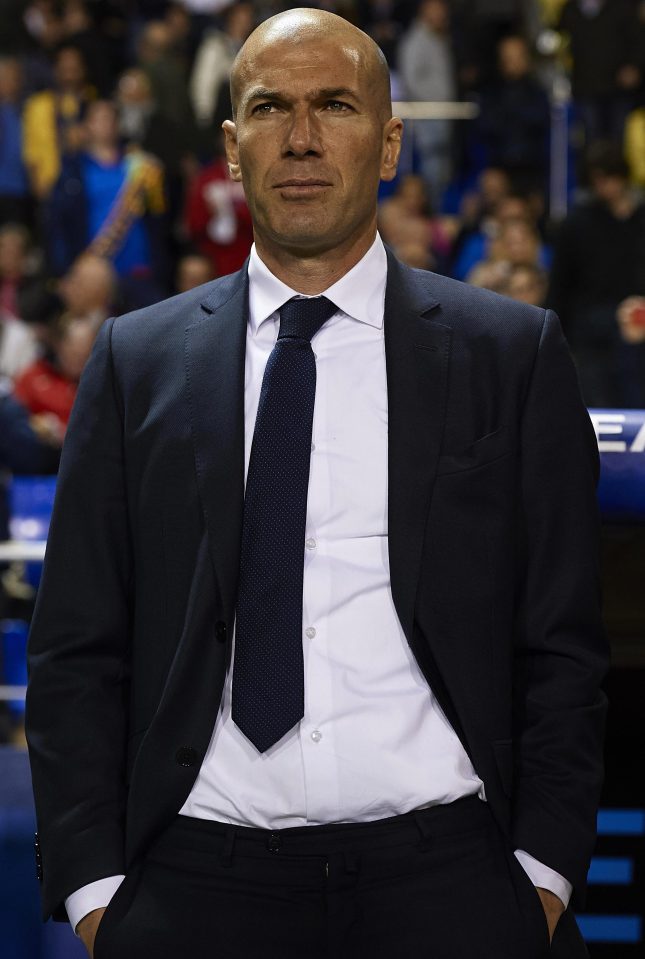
295,65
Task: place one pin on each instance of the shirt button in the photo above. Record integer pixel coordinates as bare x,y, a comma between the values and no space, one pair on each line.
310,543
310,632
316,735
313,447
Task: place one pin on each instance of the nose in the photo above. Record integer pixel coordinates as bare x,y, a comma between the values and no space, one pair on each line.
303,136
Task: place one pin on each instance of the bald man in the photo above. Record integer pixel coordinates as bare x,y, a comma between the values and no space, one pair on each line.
315,666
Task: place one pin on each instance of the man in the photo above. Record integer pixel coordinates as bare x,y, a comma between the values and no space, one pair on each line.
427,68
597,262
389,491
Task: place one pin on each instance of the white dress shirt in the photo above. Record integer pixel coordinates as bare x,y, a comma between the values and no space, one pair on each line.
373,741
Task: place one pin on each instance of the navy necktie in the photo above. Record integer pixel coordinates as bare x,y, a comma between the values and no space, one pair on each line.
268,674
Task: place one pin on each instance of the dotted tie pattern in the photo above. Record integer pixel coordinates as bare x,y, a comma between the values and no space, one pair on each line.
268,672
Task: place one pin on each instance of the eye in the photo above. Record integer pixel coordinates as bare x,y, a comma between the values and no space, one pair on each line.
263,108
337,106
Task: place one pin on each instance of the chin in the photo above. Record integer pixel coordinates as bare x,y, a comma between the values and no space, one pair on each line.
303,235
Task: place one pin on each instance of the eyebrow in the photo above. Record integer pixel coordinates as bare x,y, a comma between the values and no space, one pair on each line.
324,93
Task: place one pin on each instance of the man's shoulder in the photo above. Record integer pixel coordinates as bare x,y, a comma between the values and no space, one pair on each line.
179,311
471,310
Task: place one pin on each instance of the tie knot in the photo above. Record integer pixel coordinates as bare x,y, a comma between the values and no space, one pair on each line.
302,318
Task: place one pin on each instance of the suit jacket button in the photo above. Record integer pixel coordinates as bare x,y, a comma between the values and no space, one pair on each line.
220,631
186,756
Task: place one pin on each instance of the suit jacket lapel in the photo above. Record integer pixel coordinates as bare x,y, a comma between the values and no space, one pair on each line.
417,351
215,347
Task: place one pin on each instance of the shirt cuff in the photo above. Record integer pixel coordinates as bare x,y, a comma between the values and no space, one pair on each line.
545,877
96,895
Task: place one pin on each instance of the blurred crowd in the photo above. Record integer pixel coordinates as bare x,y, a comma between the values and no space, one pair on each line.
114,191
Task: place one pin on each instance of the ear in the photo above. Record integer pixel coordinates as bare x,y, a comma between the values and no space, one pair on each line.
232,153
392,134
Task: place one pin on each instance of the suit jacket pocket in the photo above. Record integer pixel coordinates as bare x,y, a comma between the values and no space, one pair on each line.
484,450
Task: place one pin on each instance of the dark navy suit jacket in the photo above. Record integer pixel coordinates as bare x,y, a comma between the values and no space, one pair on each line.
493,531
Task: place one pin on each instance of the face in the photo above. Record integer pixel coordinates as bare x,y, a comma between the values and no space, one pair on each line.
192,272
607,187
413,193
87,286
74,348
310,144
12,253
10,80
101,123
435,14
514,61
70,69
527,286
134,88
519,242
493,186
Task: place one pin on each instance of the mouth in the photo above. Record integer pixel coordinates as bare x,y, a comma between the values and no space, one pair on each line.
301,187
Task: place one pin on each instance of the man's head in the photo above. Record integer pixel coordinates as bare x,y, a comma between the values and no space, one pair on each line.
312,133
89,286
102,124
435,14
14,247
11,79
514,58
193,270
72,342
69,69
155,42
608,172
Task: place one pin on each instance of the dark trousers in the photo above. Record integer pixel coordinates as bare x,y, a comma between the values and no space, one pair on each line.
439,883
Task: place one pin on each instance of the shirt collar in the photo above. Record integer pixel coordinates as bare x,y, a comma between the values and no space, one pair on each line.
360,293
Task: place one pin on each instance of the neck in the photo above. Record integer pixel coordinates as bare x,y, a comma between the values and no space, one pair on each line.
314,274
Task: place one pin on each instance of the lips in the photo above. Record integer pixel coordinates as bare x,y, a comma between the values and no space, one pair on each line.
296,188
302,182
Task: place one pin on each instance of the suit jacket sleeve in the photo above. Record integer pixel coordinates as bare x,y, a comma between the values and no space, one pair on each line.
78,649
561,649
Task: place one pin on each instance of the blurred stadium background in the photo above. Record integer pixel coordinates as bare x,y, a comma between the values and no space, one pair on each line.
522,171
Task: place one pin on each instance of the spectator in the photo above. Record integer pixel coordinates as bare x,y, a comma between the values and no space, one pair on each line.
165,73
482,24
144,124
49,385
475,246
52,121
193,270
604,36
514,121
427,68
384,21
22,450
597,263
80,30
415,254
89,290
18,346
493,184
15,201
209,80
514,241
527,283
15,272
110,203
406,220
217,218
